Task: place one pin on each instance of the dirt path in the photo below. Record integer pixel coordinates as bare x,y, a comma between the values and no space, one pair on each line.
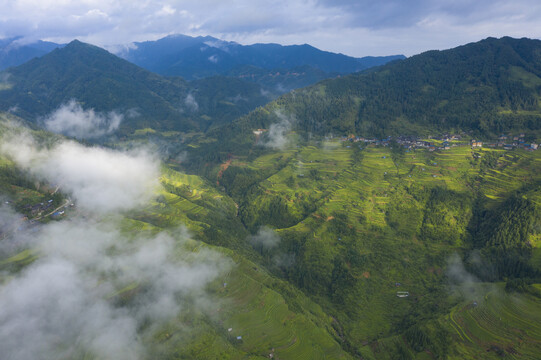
66,203
223,168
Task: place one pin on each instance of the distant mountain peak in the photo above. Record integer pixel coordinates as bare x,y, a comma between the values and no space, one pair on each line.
75,42
18,50
78,44
181,55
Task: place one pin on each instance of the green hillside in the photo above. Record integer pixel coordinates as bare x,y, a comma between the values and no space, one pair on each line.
266,313
360,222
103,82
485,89
355,226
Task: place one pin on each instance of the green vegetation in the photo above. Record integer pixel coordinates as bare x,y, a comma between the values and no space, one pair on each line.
101,81
496,325
357,226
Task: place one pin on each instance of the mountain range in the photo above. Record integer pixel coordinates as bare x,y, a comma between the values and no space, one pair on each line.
488,87
278,69
483,89
197,57
99,80
15,51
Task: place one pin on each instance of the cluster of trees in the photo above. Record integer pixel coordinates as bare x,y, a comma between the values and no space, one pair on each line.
10,175
502,236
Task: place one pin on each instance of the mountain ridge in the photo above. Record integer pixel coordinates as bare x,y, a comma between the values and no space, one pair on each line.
487,87
13,52
200,57
104,82
182,55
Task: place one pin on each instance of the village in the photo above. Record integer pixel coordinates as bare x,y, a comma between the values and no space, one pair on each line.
36,212
446,141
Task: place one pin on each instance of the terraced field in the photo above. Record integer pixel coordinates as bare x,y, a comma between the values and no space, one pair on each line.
266,324
498,325
364,193
250,301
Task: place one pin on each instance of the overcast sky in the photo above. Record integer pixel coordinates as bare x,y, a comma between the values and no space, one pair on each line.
352,27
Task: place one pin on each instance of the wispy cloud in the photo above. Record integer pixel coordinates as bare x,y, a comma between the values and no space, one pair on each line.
276,138
95,290
190,103
265,239
72,120
467,284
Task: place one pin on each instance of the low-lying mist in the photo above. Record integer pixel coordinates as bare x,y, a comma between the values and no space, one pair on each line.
97,288
72,120
100,180
276,138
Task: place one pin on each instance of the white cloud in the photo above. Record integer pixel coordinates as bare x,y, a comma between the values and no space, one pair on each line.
266,238
100,180
166,10
190,103
96,290
276,138
70,119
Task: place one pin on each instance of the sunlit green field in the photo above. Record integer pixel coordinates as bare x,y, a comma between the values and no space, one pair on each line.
498,325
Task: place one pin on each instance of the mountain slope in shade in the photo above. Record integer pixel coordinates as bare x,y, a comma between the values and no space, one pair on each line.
104,82
199,57
14,53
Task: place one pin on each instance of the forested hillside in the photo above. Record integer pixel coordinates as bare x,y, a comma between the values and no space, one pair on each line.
483,89
101,81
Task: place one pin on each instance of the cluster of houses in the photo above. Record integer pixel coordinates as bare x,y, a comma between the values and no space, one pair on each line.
409,142
44,208
444,142
39,208
509,142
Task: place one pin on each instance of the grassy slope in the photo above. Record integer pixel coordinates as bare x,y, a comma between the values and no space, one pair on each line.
500,325
393,237
266,312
